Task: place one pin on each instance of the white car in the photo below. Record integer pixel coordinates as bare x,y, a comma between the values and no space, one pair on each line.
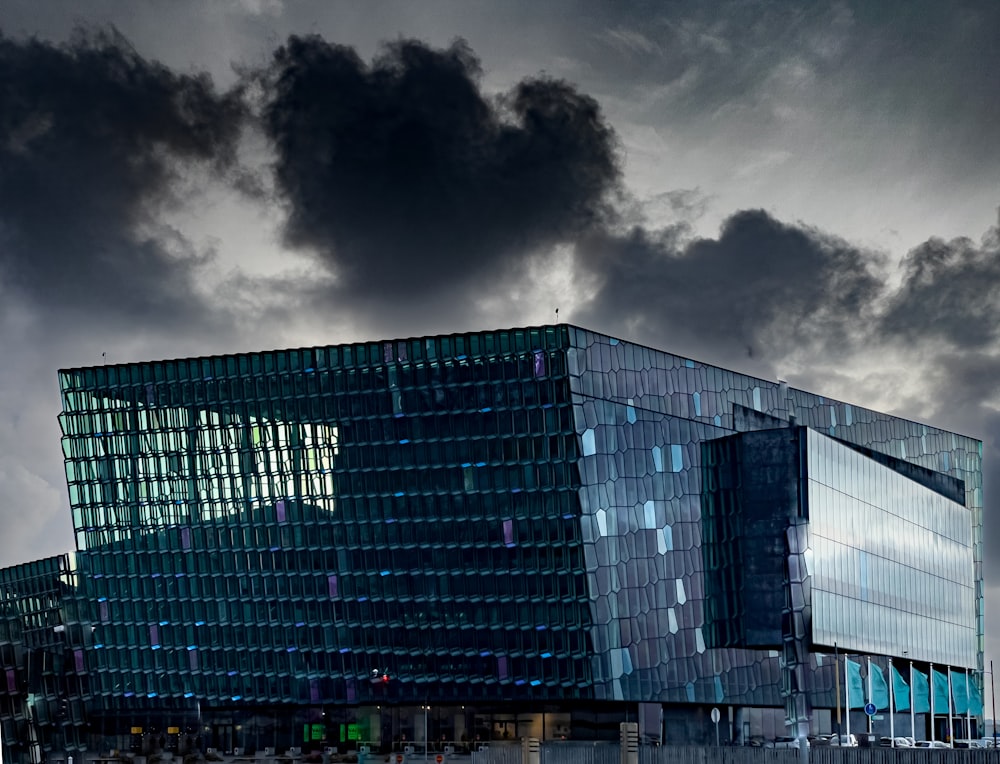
932,744
897,742
844,741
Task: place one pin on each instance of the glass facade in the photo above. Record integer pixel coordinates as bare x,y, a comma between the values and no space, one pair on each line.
43,679
509,520
642,416
283,527
892,560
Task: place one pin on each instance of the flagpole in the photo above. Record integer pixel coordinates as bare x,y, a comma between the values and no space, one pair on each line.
968,708
847,696
892,705
913,716
930,688
836,674
951,718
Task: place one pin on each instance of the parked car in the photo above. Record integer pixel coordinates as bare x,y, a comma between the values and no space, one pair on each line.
900,742
973,743
844,741
932,744
788,742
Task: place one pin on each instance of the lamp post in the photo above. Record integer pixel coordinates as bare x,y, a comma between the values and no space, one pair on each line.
426,709
993,700
993,703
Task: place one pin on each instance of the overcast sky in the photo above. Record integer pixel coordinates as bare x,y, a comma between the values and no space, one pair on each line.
805,191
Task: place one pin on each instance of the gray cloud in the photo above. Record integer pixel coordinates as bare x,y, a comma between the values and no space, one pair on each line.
946,312
92,143
410,183
950,292
417,191
760,289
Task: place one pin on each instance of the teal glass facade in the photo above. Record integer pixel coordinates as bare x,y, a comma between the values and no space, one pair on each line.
504,521
281,527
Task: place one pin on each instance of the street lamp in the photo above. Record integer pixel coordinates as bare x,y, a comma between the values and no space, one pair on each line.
993,700
426,709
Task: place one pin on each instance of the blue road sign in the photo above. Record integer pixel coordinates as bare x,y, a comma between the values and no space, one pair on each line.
870,709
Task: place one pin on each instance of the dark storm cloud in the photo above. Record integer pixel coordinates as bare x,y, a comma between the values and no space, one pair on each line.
92,137
407,180
950,292
760,289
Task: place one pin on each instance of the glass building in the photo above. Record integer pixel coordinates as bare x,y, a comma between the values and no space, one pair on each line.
530,532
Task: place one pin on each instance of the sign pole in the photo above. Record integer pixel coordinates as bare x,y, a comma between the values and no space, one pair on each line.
847,697
871,700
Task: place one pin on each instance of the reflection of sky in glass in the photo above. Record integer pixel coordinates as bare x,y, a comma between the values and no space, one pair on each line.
893,560
641,415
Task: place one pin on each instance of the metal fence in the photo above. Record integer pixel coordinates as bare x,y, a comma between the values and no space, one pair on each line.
609,753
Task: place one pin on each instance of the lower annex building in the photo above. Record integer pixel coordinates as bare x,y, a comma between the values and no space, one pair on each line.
532,532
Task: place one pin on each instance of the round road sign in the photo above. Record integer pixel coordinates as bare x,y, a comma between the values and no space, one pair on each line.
870,709
715,716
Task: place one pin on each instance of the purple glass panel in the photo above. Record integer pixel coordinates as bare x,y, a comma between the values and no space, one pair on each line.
104,612
401,351
154,634
193,659
78,658
150,394
280,508
332,583
352,694
539,364
387,352
502,667
314,690
185,538
508,532
11,681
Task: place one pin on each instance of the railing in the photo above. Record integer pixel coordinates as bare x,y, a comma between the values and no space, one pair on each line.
572,752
